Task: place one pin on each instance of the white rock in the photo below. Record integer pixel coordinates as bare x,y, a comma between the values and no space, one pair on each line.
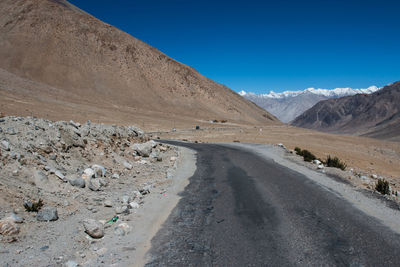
320,167
60,175
5,145
128,165
315,161
108,203
145,148
374,176
71,264
88,174
115,176
125,199
172,159
134,205
99,171
281,145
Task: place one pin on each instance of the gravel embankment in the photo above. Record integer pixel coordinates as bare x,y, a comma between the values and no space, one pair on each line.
85,176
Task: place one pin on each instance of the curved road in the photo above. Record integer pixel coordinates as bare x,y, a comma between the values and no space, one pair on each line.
242,210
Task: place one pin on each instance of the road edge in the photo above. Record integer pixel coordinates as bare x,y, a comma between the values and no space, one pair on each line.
158,207
373,207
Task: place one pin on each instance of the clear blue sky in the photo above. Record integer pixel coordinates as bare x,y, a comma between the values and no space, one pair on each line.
268,45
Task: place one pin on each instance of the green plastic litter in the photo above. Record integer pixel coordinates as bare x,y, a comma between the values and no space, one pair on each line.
114,219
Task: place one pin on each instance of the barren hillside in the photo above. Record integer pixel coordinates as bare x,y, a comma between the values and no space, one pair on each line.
375,115
69,57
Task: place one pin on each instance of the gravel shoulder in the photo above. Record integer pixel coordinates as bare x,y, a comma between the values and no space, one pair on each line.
370,204
158,207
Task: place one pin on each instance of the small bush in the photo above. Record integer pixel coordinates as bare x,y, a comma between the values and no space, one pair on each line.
382,187
335,162
33,206
307,155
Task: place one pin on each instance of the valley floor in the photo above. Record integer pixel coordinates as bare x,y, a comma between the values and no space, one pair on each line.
367,159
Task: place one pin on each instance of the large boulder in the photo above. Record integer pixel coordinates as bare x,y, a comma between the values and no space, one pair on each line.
144,149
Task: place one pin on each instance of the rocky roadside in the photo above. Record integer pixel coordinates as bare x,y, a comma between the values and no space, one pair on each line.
356,177
69,191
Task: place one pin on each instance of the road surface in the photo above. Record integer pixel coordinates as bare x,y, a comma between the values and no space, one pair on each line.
243,210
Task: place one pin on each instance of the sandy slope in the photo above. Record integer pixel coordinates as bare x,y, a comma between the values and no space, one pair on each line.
69,58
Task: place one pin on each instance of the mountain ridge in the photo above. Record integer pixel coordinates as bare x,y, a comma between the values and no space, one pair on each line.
287,105
374,115
336,92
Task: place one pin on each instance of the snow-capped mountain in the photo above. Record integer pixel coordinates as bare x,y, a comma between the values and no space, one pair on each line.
287,105
337,92
374,115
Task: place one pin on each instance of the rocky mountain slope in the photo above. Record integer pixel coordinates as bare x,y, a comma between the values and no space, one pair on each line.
375,115
286,106
62,56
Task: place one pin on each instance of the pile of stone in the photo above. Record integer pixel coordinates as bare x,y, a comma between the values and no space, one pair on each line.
96,166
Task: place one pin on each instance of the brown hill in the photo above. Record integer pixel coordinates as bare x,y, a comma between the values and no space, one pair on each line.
376,115
70,64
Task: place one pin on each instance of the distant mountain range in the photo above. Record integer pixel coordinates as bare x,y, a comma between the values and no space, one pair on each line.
375,115
286,106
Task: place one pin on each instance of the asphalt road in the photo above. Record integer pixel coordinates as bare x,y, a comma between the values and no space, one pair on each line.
242,210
